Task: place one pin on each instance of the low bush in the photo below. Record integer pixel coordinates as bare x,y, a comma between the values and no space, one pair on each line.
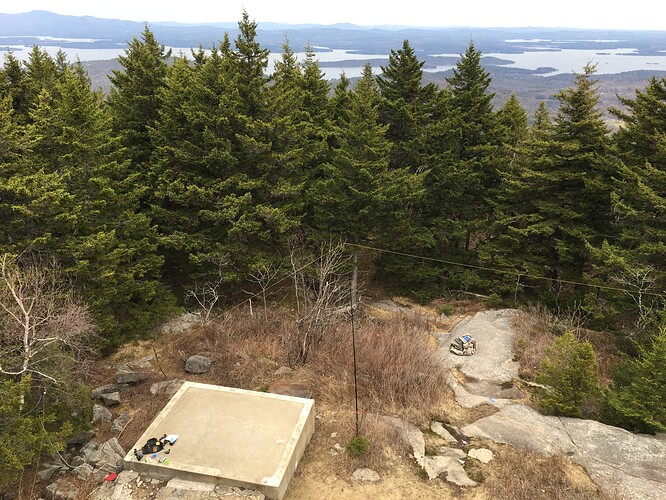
358,446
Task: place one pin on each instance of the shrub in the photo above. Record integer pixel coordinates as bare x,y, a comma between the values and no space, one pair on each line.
570,372
446,310
23,434
638,395
358,446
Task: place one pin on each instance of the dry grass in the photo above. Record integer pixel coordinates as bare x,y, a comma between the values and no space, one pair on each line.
518,474
534,334
397,366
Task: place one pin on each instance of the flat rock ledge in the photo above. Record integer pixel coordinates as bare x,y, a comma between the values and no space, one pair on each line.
619,462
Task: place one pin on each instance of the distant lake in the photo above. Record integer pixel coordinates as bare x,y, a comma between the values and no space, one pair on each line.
564,60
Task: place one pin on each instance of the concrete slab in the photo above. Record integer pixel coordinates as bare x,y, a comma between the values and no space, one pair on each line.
231,437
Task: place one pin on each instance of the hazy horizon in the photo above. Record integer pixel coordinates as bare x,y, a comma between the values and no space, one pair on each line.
417,13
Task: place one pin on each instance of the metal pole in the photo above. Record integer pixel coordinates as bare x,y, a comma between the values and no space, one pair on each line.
351,299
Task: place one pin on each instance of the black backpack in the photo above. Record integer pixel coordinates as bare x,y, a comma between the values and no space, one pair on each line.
153,445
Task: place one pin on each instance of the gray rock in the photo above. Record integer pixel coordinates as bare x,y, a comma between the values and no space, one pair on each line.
91,446
457,475
143,363
100,414
524,427
283,370
167,387
76,461
81,438
493,361
483,455
111,399
468,400
47,472
449,468
120,422
618,461
456,453
109,456
83,471
115,446
104,389
127,476
366,475
410,435
439,429
181,324
197,364
130,377
61,490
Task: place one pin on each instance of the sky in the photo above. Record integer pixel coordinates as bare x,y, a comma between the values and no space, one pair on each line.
592,14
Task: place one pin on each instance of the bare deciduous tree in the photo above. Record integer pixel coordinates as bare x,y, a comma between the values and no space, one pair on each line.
264,276
322,290
638,284
206,296
42,322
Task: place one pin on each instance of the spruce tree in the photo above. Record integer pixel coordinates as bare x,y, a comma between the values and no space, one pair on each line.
638,393
406,108
133,98
513,119
570,373
558,201
357,193
467,167
92,225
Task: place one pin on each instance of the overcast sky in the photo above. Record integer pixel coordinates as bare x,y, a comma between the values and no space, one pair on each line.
635,14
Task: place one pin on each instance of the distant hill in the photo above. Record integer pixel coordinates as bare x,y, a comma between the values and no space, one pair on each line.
529,85
369,40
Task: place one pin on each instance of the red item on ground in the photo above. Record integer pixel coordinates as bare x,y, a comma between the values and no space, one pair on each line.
111,477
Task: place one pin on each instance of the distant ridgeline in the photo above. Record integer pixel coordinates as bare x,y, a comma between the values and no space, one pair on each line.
520,59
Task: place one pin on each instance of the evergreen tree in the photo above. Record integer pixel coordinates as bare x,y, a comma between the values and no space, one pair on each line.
13,83
92,225
133,98
23,433
542,122
641,135
635,258
558,202
251,63
194,165
356,193
638,394
570,373
467,167
513,119
406,108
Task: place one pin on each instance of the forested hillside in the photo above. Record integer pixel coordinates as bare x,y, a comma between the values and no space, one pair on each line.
207,171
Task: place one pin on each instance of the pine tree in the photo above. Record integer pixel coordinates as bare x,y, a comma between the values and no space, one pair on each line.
357,192
638,394
406,108
558,201
570,373
133,98
513,119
